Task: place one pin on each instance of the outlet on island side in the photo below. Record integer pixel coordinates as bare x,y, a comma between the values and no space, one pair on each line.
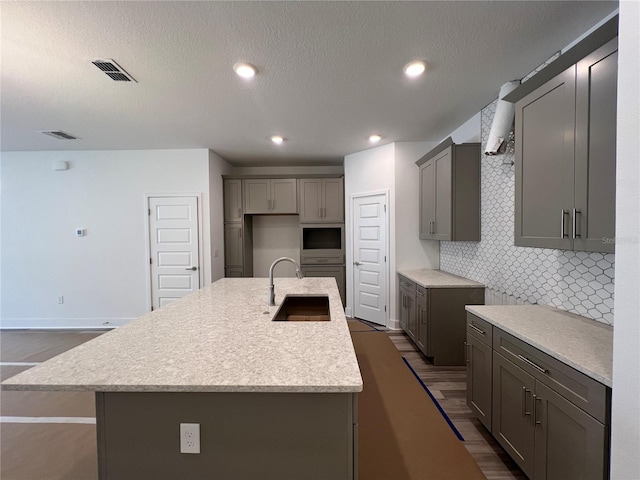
189,438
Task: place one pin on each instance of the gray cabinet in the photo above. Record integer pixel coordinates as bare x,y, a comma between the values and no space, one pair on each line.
321,200
565,158
335,271
238,248
550,418
450,192
435,319
422,332
408,307
277,196
479,369
232,200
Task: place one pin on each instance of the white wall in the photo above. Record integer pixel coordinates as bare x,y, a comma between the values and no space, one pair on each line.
411,252
625,435
370,171
104,275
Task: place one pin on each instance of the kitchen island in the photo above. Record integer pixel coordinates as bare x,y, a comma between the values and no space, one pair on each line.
272,399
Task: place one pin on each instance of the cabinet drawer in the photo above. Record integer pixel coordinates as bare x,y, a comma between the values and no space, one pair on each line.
407,284
337,259
583,391
480,329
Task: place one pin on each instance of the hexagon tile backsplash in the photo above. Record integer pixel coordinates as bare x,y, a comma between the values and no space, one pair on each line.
579,282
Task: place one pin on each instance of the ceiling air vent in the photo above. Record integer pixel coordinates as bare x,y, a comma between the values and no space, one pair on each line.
60,135
113,70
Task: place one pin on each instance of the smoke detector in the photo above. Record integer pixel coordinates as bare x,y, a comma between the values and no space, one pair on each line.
113,70
59,134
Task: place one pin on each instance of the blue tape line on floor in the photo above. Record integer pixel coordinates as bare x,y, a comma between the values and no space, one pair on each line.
435,402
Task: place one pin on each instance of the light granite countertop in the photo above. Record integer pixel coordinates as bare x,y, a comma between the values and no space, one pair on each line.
218,339
429,278
581,343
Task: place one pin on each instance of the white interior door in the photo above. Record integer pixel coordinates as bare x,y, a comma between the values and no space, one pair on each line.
369,258
173,246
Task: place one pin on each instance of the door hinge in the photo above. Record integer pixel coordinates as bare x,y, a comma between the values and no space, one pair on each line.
385,308
151,261
152,308
385,207
385,258
149,212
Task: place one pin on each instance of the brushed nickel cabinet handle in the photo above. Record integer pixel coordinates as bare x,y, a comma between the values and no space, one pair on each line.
524,401
575,233
479,330
535,410
466,353
534,365
563,234
239,212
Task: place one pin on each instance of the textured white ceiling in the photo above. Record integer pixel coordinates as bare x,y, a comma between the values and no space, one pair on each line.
330,73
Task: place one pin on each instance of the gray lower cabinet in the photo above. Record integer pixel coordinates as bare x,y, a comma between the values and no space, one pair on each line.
238,248
566,157
479,369
435,319
408,307
335,271
450,192
550,418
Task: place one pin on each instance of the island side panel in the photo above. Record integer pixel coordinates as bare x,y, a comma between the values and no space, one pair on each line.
242,435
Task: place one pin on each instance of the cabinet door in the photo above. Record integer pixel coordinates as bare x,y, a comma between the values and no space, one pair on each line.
479,379
411,317
512,425
595,196
336,272
233,200
257,195
310,200
427,199
333,200
233,272
544,164
233,245
443,200
284,195
421,320
569,443
403,310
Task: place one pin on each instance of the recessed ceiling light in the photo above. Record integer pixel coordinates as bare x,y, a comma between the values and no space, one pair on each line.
245,70
277,139
415,68
374,138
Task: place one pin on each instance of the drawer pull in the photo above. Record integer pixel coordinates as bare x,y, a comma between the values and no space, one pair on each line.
479,330
421,293
529,362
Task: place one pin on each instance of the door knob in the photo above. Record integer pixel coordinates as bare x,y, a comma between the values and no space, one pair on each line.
357,263
192,268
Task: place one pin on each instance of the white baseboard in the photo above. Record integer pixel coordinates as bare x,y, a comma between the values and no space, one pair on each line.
62,323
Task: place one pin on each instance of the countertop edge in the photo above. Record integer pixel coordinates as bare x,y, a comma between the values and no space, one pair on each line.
543,348
414,276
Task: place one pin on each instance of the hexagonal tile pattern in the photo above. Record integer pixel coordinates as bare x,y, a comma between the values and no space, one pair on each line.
579,282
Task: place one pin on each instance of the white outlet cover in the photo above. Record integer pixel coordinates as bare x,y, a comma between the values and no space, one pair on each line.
189,438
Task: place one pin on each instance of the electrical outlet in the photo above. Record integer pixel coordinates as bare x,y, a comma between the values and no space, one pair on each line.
60,299
215,252
189,438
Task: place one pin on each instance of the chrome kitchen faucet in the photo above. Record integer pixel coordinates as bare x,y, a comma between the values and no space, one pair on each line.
272,292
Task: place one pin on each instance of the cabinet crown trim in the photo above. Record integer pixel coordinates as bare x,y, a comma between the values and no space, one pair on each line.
434,151
592,42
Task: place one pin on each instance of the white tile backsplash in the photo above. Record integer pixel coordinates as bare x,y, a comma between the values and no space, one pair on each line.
578,282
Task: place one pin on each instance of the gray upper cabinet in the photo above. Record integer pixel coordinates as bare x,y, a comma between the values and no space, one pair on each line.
321,200
595,196
566,159
270,196
232,200
450,192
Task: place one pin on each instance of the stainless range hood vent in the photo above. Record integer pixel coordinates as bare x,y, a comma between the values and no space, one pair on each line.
114,71
59,134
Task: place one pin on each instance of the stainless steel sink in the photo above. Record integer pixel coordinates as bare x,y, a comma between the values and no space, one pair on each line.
303,308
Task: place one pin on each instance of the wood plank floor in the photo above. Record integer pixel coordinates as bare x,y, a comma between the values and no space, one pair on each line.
448,386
